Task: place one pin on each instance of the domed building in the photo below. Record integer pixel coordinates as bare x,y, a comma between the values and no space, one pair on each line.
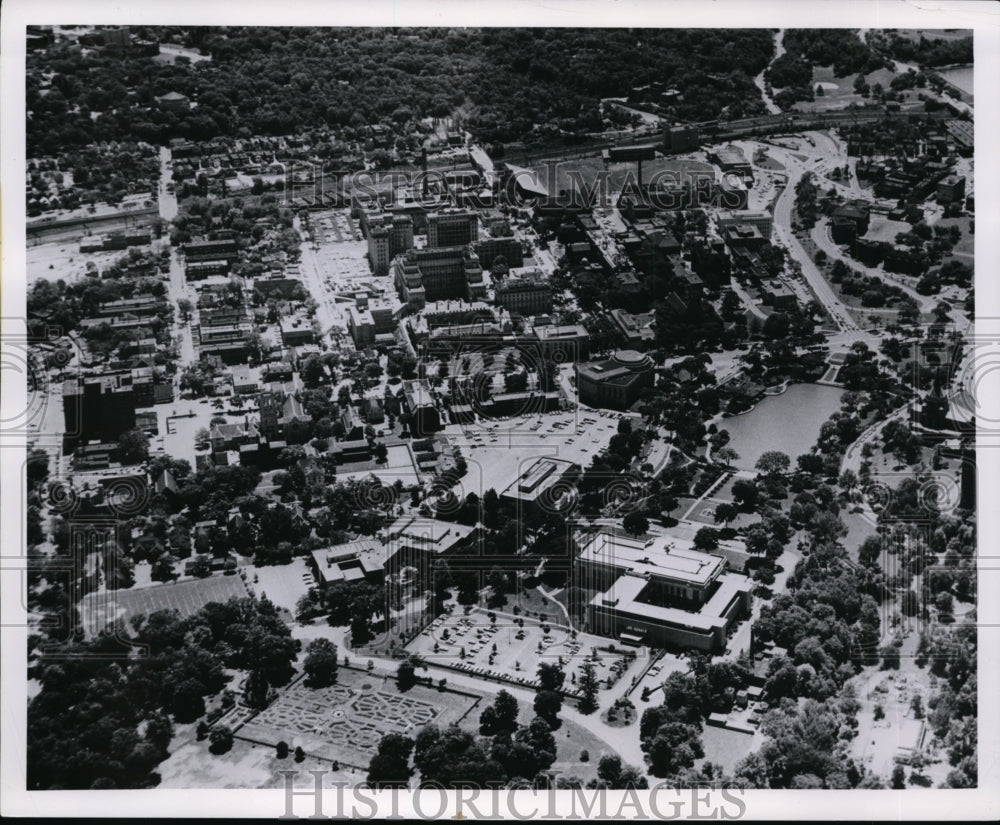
617,382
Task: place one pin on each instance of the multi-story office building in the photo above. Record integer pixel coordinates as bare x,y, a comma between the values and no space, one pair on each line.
564,343
452,227
389,235
99,407
527,292
438,274
492,250
764,221
660,591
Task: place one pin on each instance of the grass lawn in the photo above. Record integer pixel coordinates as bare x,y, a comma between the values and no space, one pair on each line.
246,765
881,228
966,246
839,91
724,747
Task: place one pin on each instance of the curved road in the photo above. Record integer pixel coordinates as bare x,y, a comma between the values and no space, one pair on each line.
779,50
821,236
783,232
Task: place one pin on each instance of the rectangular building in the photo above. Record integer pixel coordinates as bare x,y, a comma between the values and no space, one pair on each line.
452,227
527,292
660,591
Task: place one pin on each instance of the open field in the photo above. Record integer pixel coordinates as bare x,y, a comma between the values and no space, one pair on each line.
881,228
245,765
63,260
838,92
283,584
726,747
399,464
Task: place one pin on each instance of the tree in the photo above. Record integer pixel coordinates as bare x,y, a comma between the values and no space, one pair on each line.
550,676
675,745
538,748
500,718
727,455
773,463
185,306
201,567
588,685
221,739
133,447
406,673
281,750
635,524
321,662
745,494
548,704
725,512
707,538
390,766
256,689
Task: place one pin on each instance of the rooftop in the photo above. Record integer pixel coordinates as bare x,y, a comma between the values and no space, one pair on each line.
661,557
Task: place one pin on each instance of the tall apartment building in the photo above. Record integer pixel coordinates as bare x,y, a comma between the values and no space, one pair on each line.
951,189
389,235
452,227
100,407
438,274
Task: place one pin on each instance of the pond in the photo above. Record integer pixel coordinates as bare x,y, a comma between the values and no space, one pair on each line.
961,76
788,422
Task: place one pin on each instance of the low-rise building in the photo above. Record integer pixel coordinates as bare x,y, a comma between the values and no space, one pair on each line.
362,560
636,330
565,343
546,484
615,383
660,591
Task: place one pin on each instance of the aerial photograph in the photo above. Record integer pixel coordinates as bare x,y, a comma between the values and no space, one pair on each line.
573,408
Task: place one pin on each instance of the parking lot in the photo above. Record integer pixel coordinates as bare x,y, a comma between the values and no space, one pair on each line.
498,451
505,650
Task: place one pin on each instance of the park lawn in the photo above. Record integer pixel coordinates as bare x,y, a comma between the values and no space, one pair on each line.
844,94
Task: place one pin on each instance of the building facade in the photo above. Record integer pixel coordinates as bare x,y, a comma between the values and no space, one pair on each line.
452,227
